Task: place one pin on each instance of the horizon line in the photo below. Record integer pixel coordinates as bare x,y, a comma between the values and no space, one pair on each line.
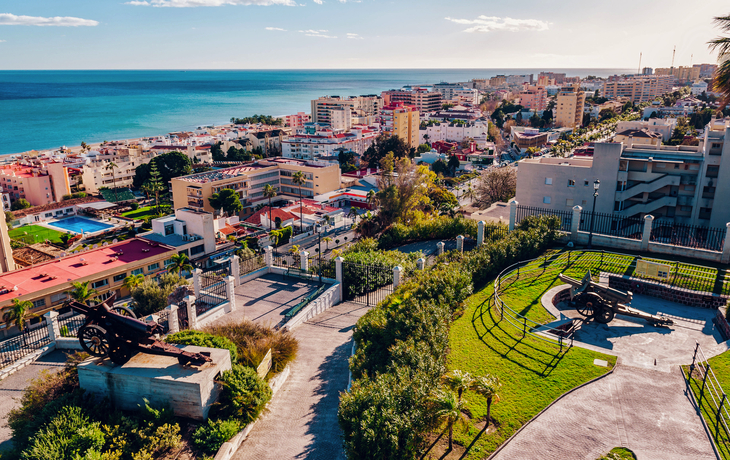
321,68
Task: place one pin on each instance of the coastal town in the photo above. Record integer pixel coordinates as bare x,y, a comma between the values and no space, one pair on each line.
510,267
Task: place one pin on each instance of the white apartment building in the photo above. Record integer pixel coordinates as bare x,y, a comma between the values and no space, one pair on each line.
95,174
663,126
455,133
358,106
315,141
457,91
698,88
674,183
638,88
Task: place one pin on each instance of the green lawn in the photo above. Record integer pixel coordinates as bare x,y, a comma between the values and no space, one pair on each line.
619,453
533,373
140,213
720,365
35,234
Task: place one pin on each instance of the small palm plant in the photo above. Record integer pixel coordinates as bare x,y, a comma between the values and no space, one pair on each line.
180,263
448,408
18,313
133,281
486,386
82,292
327,240
458,381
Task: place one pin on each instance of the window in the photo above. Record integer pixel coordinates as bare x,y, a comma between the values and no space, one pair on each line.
585,183
583,203
39,303
59,297
571,183
49,214
153,267
548,181
197,249
100,283
168,262
712,170
137,271
569,202
169,229
120,277
546,199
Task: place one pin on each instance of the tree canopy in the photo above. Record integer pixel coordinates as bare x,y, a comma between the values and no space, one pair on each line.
227,200
496,185
170,165
254,119
383,145
20,203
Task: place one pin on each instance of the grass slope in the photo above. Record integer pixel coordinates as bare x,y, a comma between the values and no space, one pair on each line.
145,211
35,234
533,373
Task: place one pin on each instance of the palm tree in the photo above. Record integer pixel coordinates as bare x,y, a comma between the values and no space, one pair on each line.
180,263
486,386
82,292
132,281
269,192
18,313
299,179
327,240
295,249
448,408
458,381
722,45
110,167
372,197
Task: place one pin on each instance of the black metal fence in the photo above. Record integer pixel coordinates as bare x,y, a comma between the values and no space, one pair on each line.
325,267
366,284
182,317
30,340
70,326
566,217
612,225
212,291
251,264
163,318
288,260
689,236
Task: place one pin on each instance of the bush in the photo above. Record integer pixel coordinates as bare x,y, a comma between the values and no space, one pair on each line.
68,435
151,295
244,394
210,437
134,205
441,227
365,252
203,339
253,341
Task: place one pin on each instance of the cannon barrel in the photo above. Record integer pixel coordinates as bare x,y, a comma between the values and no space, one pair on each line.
608,293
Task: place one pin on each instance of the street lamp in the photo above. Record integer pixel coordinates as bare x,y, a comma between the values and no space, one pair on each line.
319,229
596,184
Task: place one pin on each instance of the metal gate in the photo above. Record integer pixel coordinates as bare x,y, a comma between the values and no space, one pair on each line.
212,290
366,284
182,317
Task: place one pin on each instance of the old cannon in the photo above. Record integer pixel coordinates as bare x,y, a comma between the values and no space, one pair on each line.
593,300
115,332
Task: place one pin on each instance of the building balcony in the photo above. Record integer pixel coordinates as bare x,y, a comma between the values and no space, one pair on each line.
647,187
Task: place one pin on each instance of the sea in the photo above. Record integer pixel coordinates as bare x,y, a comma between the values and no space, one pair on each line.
48,109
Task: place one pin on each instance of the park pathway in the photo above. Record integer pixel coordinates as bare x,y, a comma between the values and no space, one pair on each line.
301,421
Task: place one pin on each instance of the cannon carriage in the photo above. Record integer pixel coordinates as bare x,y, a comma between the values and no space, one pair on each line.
116,333
603,303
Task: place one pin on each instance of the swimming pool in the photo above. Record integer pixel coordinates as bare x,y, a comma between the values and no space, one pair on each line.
79,225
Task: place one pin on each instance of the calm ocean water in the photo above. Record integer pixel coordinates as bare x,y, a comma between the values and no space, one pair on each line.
48,109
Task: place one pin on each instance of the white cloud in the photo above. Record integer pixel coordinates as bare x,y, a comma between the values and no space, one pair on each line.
321,33
492,23
354,36
276,28
7,19
318,2
196,3
2,41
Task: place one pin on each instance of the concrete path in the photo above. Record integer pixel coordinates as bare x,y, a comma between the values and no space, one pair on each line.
644,410
302,417
11,389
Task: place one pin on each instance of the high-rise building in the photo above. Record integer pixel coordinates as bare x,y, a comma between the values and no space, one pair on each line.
638,88
322,108
706,70
559,78
647,71
420,98
403,121
569,107
6,251
534,98
682,74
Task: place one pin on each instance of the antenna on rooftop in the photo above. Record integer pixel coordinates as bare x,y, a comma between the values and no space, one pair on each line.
673,53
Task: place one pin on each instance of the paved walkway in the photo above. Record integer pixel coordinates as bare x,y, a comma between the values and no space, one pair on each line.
11,389
302,417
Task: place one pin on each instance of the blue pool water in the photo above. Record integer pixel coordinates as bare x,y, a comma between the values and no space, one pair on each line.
79,224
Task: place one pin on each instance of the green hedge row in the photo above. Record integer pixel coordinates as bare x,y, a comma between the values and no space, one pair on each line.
402,345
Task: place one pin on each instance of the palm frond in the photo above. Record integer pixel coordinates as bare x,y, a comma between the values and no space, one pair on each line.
723,22
721,45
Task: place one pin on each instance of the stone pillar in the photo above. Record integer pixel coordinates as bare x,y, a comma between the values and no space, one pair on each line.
305,261
460,243
726,247
173,325
648,219
575,223
54,331
512,214
440,247
421,263
192,314
268,256
480,232
196,281
236,269
396,276
231,292
339,276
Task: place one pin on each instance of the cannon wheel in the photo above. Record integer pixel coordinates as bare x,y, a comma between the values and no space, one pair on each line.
124,311
120,353
94,340
605,315
588,304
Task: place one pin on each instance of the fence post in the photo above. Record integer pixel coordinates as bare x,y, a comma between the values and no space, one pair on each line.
268,256
460,243
54,332
646,236
512,214
231,293
421,263
304,256
440,247
704,382
396,276
575,223
726,245
339,277
719,410
196,281
192,313
173,325
480,232
236,269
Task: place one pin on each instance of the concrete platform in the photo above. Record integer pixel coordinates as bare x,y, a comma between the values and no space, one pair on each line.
188,391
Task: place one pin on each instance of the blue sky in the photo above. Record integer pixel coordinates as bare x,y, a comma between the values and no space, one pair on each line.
273,34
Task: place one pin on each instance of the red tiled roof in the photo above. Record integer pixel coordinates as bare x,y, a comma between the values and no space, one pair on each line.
255,218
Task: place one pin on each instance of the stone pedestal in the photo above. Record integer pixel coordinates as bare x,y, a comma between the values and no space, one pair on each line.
188,391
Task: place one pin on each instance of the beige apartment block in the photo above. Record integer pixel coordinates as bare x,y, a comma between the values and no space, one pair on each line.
569,107
249,179
675,183
638,88
359,106
402,121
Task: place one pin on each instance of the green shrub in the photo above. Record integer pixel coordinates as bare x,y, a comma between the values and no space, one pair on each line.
366,252
203,339
440,227
68,435
244,394
134,205
210,437
151,295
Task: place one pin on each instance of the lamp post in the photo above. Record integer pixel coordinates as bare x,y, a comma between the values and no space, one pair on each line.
318,229
596,184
